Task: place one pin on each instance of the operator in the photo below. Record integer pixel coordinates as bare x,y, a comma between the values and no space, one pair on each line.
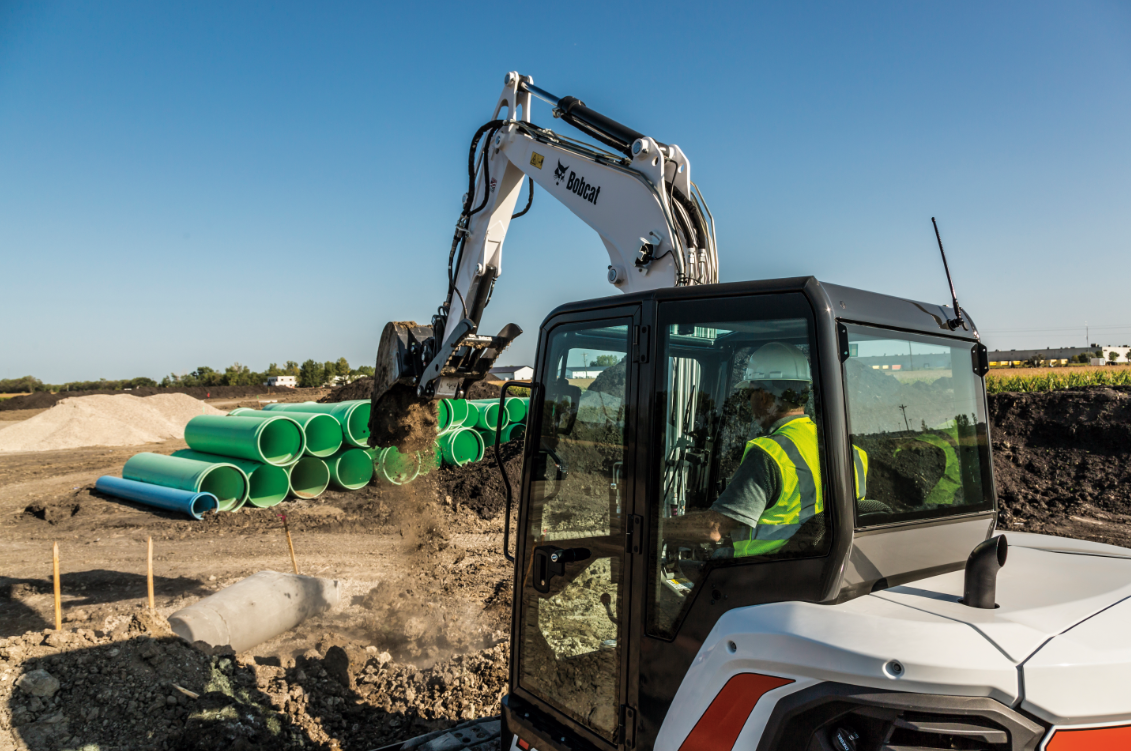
777,486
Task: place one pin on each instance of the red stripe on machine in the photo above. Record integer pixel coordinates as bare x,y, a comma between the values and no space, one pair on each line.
720,725
1092,739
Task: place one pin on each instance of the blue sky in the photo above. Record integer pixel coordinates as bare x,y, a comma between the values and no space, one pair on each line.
199,183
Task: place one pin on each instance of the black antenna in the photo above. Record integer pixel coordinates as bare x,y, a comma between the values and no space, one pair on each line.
957,321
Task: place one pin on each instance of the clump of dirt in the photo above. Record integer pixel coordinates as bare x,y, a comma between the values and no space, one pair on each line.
362,388
1058,454
403,420
44,399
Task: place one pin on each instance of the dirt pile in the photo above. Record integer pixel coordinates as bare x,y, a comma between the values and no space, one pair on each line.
104,420
1063,456
362,388
137,687
43,399
401,419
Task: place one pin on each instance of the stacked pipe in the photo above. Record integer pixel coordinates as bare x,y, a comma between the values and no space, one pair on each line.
467,427
254,457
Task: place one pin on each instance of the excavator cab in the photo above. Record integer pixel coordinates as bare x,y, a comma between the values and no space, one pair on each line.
640,418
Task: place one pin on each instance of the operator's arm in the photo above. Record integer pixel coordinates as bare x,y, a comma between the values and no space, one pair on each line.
755,486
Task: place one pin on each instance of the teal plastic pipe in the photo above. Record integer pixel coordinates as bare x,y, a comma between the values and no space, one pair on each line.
277,442
309,477
517,407
490,416
455,413
353,416
512,432
267,485
458,447
171,499
323,433
350,468
225,481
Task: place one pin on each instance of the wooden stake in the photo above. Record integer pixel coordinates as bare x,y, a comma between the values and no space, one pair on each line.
149,570
58,594
290,544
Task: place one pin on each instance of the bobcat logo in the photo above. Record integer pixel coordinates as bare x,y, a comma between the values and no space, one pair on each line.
560,173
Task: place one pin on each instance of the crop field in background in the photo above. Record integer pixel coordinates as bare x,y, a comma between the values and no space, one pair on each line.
1051,379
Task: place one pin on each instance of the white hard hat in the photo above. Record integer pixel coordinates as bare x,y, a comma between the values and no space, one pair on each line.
776,361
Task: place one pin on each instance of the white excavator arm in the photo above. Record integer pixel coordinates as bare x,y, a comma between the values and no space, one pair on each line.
639,198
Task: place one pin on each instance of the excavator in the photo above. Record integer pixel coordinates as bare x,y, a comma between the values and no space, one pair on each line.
652,608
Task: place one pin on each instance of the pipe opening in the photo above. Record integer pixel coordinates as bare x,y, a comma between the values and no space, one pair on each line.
323,436
227,484
461,446
280,441
268,485
357,423
309,477
399,468
351,469
203,503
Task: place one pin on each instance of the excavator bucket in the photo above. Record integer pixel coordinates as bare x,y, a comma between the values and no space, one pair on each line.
412,369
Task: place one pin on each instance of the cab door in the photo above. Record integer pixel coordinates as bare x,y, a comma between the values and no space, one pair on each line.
571,634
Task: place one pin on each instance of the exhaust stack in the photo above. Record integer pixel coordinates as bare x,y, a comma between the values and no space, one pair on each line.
986,559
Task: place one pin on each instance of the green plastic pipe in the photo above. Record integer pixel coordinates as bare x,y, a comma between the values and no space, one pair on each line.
277,442
455,413
513,432
323,432
458,447
517,407
397,468
350,468
225,481
309,477
267,485
489,414
352,415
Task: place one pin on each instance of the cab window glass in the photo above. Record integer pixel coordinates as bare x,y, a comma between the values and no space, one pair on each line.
740,473
916,412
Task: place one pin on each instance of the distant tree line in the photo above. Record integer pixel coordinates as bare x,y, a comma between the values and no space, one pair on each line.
310,374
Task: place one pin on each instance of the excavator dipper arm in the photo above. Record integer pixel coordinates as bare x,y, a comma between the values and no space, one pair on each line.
639,199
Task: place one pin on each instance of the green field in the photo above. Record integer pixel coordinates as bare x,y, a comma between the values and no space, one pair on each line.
1051,379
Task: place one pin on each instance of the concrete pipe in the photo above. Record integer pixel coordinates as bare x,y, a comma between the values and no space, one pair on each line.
254,610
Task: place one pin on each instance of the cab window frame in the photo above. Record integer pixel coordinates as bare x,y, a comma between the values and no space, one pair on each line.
989,494
769,306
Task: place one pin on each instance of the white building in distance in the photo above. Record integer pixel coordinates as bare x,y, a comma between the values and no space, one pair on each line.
284,381
1122,354
511,373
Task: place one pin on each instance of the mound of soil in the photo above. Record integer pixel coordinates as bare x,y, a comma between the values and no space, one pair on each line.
1062,454
479,486
44,399
362,388
131,684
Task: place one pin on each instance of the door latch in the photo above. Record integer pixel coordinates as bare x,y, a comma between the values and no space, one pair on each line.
550,561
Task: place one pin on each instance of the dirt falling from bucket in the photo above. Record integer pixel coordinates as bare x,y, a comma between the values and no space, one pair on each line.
403,420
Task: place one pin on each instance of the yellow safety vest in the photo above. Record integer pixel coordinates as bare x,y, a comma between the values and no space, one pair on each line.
942,494
793,447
